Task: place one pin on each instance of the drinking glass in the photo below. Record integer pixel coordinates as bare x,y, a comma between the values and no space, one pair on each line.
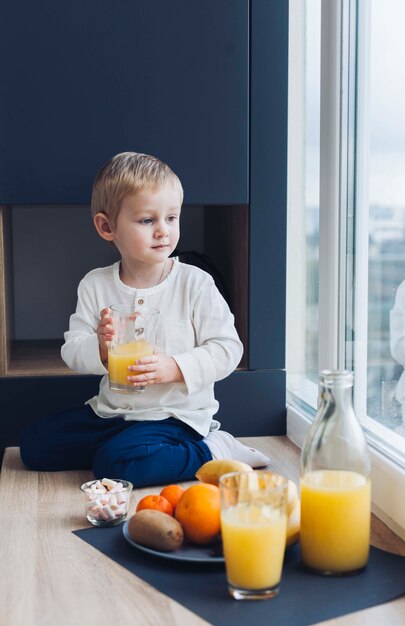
135,336
254,528
103,506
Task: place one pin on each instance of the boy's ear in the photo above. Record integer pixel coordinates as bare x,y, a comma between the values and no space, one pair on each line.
103,226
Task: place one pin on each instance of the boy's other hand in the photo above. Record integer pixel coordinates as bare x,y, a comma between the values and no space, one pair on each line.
155,369
105,333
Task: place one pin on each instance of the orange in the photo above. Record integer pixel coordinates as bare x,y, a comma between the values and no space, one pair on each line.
172,493
158,503
198,511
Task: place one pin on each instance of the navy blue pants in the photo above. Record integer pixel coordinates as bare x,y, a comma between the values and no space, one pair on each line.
145,453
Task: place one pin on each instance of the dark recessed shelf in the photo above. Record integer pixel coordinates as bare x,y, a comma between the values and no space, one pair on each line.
37,296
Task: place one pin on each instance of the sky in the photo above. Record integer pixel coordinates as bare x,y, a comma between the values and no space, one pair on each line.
387,75
386,101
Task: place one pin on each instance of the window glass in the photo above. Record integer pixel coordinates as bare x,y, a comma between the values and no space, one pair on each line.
303,200
386,193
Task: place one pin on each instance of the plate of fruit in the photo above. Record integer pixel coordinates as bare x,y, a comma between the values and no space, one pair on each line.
184,524
181,524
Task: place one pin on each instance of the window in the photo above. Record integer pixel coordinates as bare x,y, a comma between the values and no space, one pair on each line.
386,187
303,215
346,220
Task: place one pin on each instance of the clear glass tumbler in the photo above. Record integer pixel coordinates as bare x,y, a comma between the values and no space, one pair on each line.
106,501
135,336
254,527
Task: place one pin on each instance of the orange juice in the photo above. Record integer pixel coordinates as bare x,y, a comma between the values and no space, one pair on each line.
335,520
122,355
254,543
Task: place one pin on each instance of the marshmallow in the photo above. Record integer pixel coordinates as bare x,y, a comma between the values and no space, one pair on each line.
107,500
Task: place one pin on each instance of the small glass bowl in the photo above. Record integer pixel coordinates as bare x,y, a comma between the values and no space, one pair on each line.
107,508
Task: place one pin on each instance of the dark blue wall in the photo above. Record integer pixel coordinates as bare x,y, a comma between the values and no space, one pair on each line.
202,85
83,80
268,183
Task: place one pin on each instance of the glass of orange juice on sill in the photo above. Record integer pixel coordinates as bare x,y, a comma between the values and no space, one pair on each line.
135,336
254,528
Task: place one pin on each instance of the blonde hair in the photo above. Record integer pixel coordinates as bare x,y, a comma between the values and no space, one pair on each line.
125,175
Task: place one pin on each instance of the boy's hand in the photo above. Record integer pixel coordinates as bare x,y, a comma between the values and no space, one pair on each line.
105,333
157,368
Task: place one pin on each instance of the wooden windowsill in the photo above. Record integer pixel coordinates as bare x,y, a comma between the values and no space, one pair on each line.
46,568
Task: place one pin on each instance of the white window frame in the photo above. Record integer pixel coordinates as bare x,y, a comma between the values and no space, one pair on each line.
337,172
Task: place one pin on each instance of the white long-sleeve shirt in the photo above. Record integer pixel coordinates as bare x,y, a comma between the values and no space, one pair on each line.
397,337
198,332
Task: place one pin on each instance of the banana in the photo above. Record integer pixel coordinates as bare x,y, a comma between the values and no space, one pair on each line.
211,471
293,525
292,497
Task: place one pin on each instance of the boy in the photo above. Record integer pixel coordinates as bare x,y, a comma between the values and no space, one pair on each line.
166,433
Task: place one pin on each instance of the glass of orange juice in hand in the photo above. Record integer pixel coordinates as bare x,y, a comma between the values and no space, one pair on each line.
135,336
254,528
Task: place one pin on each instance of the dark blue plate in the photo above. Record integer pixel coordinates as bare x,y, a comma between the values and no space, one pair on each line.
187,552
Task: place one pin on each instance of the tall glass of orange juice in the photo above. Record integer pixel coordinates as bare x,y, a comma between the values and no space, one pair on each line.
254,527
135,336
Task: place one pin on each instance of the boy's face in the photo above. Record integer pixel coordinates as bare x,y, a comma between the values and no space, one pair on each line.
147,227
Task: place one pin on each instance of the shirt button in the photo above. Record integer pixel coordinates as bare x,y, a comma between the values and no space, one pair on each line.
141,301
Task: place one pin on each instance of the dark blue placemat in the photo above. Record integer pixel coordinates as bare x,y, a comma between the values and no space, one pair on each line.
304,598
